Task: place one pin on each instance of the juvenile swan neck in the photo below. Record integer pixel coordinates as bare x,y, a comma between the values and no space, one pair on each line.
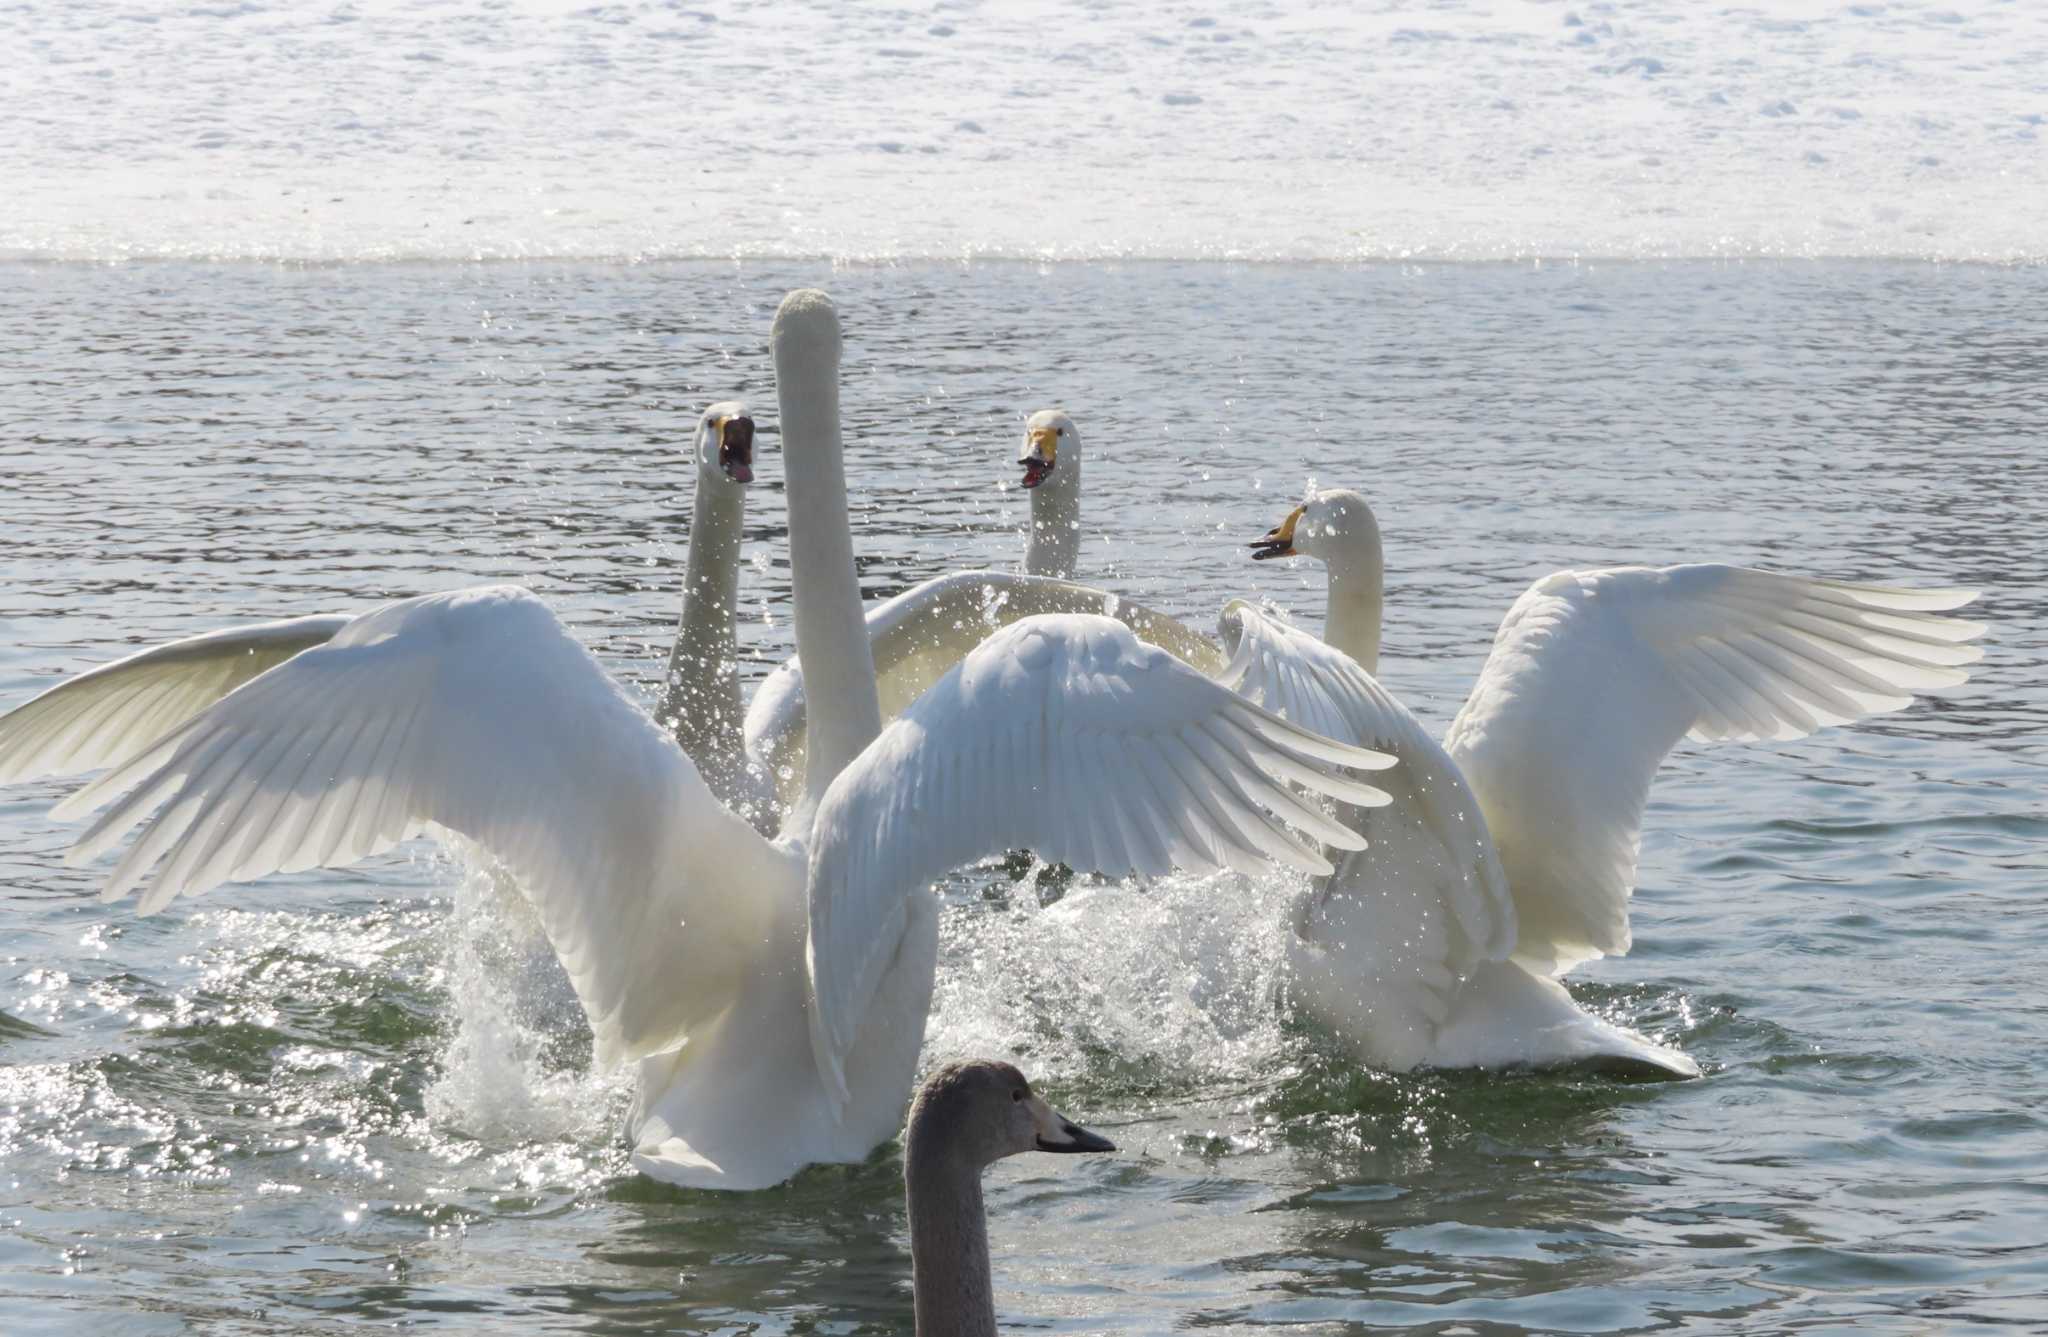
948,1238
1055,539
1357,581
701,703
842,715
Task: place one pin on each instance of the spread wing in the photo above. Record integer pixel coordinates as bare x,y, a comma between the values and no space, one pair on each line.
476,712
1394,931
1596,675
923,632
105,716
1069,736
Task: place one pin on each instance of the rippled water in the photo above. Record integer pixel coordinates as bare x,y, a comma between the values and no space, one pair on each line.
1274,129
363,1097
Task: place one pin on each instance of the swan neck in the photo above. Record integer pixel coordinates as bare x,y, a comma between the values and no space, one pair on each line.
1357,581
701,701
842,715
949,1261
1055,539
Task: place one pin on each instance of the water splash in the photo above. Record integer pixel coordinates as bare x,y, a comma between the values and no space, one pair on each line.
517,1065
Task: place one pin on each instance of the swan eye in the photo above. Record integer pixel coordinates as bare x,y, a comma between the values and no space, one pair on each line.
1017,1094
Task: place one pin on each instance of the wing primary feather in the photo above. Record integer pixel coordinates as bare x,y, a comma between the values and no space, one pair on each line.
233,794
112,783
1789,718
1738,696
1186,844
337,827
1940,661
1279,758
1811,679
1242,851
1251,824
1855,671
280,819
1253,763
1138,821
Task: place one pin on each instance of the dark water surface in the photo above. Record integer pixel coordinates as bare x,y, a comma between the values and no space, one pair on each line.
364,1097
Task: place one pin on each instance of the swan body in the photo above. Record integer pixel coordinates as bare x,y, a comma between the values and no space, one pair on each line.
917,636
1508,851
1593,678
773,993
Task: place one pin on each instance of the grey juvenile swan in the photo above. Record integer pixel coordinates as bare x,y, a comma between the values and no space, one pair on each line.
967,1117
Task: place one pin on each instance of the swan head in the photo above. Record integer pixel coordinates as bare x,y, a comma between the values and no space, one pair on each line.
725,442
1050,437
807,328
1330,525
984,1110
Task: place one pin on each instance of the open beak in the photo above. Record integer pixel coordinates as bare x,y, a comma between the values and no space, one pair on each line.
1056,1132
1279,540
1041,449
736,449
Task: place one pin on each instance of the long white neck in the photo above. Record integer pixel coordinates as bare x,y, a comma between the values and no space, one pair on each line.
842,713
949,1262
1357,584
701,703
1055,538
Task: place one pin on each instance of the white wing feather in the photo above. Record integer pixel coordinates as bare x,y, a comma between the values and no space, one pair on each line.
1596,675
920,634
1068,736
475,712
1389,938
107,715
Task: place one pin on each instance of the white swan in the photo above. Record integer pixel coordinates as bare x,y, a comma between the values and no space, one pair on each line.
700,702
1433,945
919,634
1051,460
110,714
774,993
1593,678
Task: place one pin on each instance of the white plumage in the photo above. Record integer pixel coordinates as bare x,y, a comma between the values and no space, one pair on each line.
1596,675
1508,851
1592,679
774,992
106,716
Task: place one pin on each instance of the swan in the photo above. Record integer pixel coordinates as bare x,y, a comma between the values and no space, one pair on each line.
1435,946
920,633
1051,460
968,1116
700,701
107,716
773,993
1540,783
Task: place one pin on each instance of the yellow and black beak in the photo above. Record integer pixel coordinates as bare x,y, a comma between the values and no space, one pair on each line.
1279,540
1041,452
736,448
